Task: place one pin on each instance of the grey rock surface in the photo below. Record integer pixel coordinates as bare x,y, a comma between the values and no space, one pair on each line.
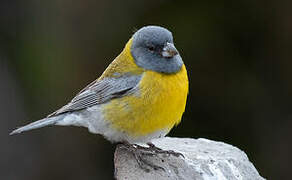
203,160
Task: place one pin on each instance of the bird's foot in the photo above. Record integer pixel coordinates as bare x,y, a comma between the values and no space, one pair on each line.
157,150
140,151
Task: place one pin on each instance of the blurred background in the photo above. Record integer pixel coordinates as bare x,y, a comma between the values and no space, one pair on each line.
238,56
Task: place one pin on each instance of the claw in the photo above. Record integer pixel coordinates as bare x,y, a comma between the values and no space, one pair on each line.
140,151
161,151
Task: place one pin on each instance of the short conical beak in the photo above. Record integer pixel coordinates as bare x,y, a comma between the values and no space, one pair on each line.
169,51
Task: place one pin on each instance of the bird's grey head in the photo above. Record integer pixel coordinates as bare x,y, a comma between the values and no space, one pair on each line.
153,49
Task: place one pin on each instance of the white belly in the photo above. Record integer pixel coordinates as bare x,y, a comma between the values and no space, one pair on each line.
93,119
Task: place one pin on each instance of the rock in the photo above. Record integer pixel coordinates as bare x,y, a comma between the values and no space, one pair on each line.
203,160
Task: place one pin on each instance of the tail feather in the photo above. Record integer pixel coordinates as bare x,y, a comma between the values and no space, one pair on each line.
38,124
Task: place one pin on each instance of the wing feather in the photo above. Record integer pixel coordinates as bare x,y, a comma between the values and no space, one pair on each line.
101,91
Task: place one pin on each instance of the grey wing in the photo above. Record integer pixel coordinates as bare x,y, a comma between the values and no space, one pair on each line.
101,91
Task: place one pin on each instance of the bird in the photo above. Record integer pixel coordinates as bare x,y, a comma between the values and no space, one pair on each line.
140,96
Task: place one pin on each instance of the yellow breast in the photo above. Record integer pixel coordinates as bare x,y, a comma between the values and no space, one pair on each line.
158,105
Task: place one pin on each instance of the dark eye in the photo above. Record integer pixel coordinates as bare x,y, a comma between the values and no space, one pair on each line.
150,48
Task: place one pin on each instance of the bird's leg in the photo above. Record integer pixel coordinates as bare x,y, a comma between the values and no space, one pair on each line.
157,150
138,152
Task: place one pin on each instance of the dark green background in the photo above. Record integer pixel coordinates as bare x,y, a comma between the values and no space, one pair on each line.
238,56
